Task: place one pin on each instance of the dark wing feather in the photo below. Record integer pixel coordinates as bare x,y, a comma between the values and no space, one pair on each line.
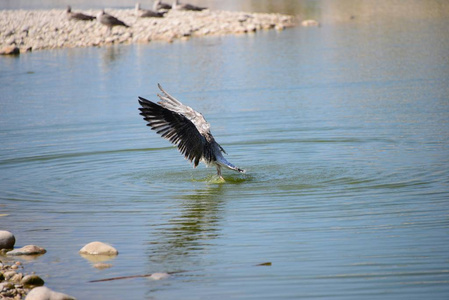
174,127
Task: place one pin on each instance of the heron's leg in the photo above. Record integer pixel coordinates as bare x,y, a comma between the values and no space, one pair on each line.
219,171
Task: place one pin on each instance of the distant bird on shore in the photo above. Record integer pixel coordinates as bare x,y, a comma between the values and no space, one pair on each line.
109,21
144,13
185,6
185,128
77,15
158,5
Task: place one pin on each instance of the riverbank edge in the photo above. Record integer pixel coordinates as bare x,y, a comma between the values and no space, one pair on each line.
30,30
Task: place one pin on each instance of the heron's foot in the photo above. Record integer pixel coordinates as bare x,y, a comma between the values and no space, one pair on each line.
216,179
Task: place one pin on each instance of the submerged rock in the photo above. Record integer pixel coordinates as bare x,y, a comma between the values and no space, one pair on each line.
310,23
7,240
98,248
27,250
101,266
44,293
159,276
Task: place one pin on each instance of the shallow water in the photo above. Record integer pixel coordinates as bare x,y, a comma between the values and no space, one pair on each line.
343,130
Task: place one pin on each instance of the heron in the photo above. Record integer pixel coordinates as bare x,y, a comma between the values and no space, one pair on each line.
185,128
144,13
109,21
77,15
186,6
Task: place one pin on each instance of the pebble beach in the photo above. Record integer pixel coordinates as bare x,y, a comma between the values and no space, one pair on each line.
31,30
15,284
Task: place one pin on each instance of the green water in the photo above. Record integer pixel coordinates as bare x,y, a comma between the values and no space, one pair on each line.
343,131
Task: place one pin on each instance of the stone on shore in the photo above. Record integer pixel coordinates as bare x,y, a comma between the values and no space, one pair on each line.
98,248
9,274
7,240
32,280
11,286
44,293
27,250
10,50
4,286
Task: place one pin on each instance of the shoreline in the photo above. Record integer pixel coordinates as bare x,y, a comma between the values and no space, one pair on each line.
31,30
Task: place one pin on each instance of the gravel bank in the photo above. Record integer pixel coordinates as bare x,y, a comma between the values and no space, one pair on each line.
50,29
13,282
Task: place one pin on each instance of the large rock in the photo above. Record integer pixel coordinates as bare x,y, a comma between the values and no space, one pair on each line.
32,280
99,248
27,250
44,293
7,240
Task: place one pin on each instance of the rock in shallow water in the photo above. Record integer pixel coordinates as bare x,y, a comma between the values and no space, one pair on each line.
7,240
98,248
32,280
310,23
27,250
159,276
44,293
101,266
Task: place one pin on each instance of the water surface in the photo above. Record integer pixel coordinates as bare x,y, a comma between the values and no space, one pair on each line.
343,130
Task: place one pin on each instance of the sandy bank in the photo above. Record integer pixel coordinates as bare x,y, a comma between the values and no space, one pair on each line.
50,29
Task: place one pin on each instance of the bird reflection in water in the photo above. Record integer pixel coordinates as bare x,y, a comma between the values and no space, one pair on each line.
191,232
111,55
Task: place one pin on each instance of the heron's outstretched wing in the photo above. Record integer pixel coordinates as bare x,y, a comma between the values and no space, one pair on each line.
170,103
174,126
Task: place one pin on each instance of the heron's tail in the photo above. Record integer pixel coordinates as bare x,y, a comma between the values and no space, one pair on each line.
223,162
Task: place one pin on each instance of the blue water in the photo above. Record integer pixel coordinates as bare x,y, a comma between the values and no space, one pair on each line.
343,130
